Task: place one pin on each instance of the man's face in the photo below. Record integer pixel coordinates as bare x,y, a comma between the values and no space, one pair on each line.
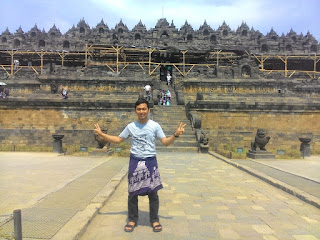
142,111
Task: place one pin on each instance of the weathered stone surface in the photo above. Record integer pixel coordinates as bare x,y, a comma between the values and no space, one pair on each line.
238,128
34,127
260,154
165,35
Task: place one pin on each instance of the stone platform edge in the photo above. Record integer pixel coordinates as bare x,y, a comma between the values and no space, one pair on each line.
78,224
306,197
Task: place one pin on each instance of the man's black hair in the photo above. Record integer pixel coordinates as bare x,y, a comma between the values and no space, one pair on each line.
140,101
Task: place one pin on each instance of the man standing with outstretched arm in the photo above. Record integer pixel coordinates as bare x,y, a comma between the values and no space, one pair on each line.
143,176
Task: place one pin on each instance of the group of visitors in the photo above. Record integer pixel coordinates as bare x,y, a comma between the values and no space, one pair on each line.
4,92
164,97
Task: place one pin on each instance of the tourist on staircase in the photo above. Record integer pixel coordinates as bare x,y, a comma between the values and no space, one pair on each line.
148,92
1,92
168,95
6,92
64,93
169,77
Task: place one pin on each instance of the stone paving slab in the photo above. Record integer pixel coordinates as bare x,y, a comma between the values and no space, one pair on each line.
285,176
27,177
78,186
309,167
206,198
280,179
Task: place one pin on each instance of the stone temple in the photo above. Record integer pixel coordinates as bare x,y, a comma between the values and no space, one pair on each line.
245,80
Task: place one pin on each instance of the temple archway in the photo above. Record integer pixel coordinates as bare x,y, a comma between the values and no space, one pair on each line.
225,33
289,47
66,44
101,30
16,43
33,34
164,35
246,71
120,30
137,36
42,43
4,40
189,37
82,30
206,32
244,33
264,48
274,38
213,38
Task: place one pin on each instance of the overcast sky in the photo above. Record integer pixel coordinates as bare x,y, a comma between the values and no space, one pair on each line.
262,15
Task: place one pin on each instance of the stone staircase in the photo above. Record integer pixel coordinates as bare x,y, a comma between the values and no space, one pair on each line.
169,117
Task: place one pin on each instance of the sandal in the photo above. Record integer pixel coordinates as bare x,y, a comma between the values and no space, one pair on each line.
129,227
157,227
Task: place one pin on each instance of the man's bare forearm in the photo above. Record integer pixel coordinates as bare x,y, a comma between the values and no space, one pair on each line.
168,140
110,138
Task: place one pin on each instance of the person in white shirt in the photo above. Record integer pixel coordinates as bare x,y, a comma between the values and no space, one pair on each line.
143,175
169,77
148,91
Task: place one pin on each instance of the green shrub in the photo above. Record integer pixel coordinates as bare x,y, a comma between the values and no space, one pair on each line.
125,150
290,154
24,148
225,150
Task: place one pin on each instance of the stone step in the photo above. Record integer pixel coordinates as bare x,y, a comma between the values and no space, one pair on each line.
176,149
169,110
185,137
177,143
176,115
173,110
94,96
172,123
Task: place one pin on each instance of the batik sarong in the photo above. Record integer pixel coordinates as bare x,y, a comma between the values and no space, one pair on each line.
143,176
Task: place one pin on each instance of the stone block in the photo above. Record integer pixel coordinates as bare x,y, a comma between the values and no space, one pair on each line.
260,154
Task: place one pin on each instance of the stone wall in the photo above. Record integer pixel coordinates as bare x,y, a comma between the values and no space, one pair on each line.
34,127
239,129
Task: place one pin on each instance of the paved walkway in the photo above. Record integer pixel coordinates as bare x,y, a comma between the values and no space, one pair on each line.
301,174
206,198
51,189
203,198
27,177
308,167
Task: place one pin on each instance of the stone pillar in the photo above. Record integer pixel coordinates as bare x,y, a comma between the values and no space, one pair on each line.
57,143
305,147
